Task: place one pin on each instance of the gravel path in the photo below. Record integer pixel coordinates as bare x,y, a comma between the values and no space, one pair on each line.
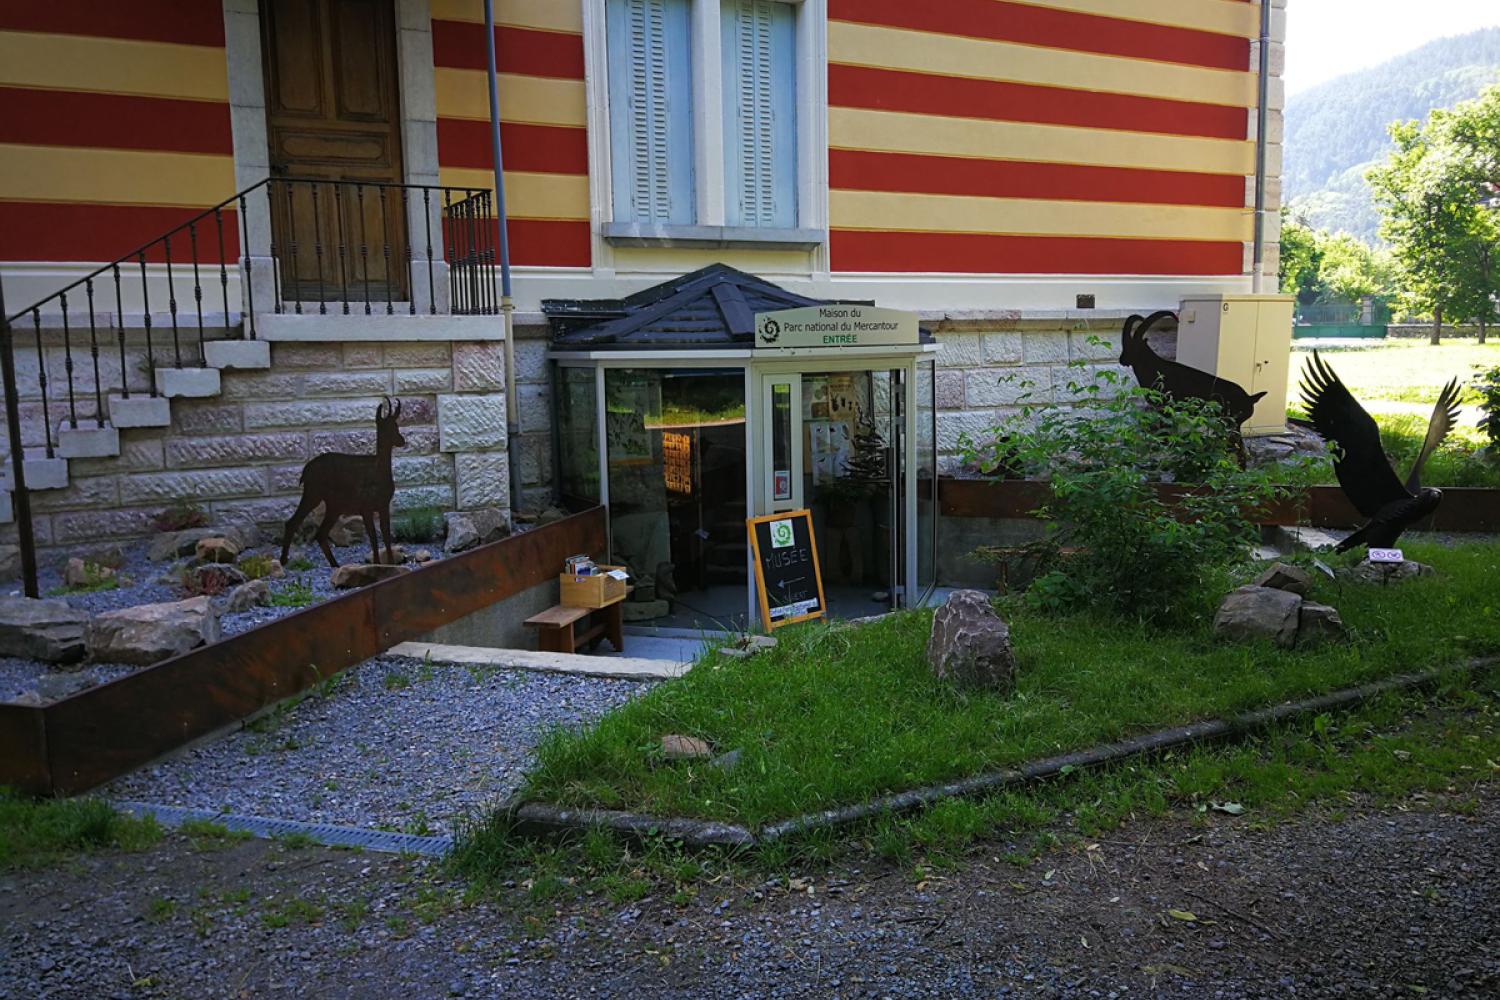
1395,904
398,745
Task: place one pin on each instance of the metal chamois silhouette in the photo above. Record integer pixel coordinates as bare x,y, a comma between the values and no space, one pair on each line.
1364,472
1179,381
352,484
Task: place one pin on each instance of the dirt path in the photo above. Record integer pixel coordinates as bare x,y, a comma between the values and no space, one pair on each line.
1396,903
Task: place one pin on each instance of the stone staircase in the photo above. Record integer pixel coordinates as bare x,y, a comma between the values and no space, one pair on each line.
90,440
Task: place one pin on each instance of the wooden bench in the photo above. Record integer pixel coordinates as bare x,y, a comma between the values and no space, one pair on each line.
557,630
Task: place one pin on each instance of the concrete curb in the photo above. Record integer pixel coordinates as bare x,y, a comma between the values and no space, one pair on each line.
630,668
545,820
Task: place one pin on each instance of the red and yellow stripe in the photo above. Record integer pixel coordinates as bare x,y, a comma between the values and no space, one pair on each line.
1040,136
543,109
114,127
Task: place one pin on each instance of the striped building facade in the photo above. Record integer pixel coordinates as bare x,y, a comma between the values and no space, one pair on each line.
970,154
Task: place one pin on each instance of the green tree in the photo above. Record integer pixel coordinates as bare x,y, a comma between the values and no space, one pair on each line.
1434,193
1301,259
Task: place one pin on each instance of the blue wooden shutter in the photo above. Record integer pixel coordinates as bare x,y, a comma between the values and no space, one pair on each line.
760,113
651,121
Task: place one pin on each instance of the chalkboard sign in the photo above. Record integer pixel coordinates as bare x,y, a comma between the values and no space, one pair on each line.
787,578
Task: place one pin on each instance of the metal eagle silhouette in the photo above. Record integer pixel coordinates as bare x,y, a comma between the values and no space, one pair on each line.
1363,471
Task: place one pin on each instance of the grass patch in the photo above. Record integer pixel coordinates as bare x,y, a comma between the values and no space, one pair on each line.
838,714
39,832
257,567
1416,749
295,594
421,524
1401,371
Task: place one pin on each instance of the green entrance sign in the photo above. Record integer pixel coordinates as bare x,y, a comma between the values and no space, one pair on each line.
834,326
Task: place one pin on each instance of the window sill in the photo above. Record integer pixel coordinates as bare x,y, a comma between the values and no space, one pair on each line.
630,234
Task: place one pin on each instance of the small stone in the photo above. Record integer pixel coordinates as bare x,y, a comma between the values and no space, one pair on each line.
1319,623
1284,576
256,593
549,515
47,630
396,557
363,574
79,573
677,747
470,528
728,761
56,687
217,550
348,530
10,562
1252,613
31,699
149,633
179,544
970,644
1370,572
421,556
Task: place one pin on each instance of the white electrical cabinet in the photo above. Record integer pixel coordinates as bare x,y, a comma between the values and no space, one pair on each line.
1246,339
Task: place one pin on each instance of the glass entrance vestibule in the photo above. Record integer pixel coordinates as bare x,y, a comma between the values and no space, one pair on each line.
683,444
683,450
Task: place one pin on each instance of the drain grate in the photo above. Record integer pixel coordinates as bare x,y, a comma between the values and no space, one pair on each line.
323,833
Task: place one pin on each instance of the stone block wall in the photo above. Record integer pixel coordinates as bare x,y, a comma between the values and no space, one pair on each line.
240,454
993,364
534,402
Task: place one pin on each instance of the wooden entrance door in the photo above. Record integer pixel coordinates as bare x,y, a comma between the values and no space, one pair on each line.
333,113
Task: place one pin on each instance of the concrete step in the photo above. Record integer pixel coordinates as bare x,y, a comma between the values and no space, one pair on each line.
187,383
243,354
140,411
41,472
87,440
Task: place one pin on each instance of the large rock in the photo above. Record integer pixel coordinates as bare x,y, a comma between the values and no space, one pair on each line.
364,574
970,643
470,528
178,544
149,633
1251,613
217,550
1285,576
1319,623
51,631
212,578
255,594
1368,572
350,530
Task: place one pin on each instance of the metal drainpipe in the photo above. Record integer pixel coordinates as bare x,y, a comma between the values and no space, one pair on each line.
1263,86
507,306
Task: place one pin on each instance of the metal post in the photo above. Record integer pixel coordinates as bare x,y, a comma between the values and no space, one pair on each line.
20,498
507,306
1262,112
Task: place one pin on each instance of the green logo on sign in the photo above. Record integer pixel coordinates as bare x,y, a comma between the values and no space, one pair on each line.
781,534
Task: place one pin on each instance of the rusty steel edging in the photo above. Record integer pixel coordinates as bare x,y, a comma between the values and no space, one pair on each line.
98,734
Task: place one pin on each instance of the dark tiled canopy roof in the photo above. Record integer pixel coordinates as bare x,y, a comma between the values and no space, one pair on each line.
711,308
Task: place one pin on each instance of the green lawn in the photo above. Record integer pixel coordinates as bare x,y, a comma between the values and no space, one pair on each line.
1397,371
836,715
1398,382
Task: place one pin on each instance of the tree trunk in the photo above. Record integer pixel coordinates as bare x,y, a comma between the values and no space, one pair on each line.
1483,328
1437,326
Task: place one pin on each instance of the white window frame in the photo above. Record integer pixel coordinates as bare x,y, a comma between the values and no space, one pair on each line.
709,231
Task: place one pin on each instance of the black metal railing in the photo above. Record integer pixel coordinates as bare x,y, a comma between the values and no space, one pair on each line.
330,245
349,247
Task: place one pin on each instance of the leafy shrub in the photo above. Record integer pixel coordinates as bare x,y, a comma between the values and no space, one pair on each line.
421,524
181,515
1487,386
196,584
1137,553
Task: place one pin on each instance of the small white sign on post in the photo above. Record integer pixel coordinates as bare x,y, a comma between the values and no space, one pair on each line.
1386,556
834,326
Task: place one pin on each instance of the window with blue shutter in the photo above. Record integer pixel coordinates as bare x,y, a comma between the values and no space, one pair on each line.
651,105
760,113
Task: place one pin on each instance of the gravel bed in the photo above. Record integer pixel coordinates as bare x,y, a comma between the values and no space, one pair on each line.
397,744
147,582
